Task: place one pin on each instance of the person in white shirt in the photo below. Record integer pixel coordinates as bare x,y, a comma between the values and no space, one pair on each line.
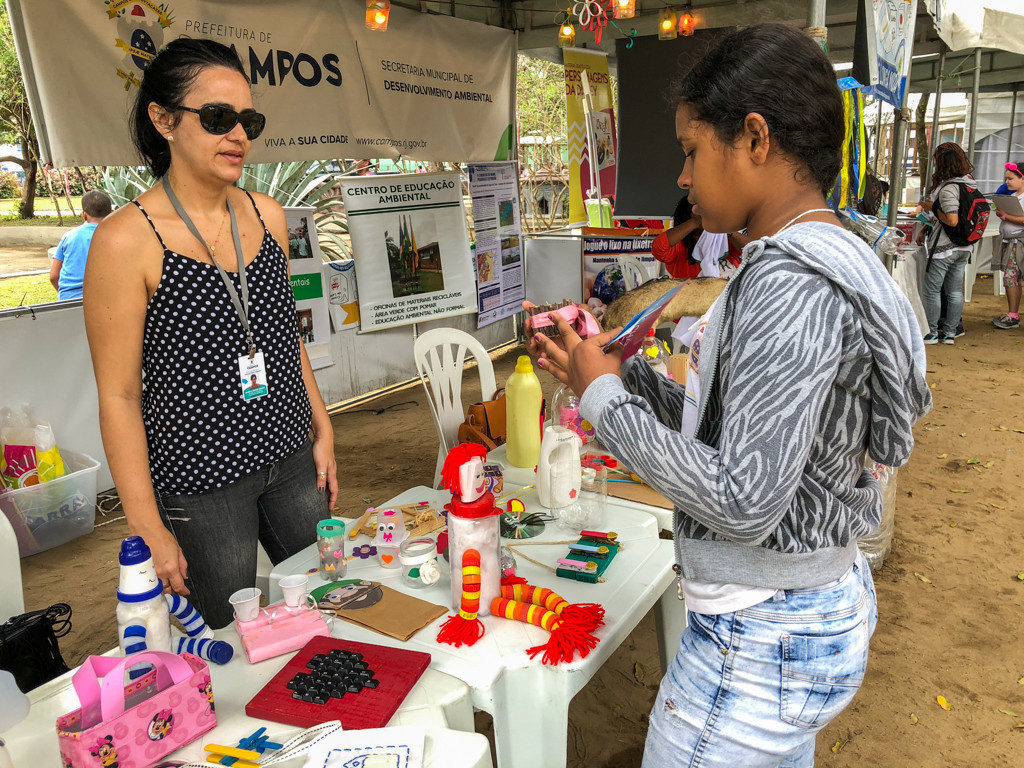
1011,249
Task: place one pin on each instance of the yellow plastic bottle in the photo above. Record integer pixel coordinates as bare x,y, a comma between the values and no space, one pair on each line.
523,400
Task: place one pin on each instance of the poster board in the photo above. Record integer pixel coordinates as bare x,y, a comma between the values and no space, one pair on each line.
603,278
305,272
886,28
498,251
342,293
410,240
595,64
329,86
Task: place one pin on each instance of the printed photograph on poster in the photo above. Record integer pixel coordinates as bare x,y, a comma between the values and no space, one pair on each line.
605,277
410,239
305,267
509,250
485,266
604,140
414,269
507,213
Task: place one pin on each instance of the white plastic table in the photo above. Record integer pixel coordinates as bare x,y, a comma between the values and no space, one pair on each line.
438,703
528,701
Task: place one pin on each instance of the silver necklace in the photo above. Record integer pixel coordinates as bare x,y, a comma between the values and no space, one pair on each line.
799,216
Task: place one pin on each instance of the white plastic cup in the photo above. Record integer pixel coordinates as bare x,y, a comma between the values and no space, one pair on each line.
246,603
294,590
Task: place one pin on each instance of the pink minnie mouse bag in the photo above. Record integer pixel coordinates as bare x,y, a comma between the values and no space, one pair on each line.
134,725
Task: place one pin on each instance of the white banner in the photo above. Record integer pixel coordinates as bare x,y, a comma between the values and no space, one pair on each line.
890,38
330,87
410,241
500,278
305,271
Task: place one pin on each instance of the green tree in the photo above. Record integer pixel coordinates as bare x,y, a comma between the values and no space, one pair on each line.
15,116
540,110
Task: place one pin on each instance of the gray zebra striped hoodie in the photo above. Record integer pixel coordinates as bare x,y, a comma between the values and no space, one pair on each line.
812,356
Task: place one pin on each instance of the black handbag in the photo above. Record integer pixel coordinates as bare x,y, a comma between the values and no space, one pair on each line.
29,648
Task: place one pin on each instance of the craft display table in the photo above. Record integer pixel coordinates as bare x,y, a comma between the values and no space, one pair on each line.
438,703
529,701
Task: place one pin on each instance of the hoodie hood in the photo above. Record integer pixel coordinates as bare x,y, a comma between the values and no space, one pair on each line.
900,393
965,180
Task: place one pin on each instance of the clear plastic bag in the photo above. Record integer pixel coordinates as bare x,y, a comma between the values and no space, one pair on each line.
876,547
884,240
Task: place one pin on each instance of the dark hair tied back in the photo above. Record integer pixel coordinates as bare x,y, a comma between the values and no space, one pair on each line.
166,81
781,74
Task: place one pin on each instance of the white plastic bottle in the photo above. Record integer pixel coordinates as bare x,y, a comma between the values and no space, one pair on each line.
523,400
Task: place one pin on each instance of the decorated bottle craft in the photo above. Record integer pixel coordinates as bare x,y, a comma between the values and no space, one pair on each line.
390,535
558,471
472,525
466,627
655,353
565,412
143,611
330,543
524,400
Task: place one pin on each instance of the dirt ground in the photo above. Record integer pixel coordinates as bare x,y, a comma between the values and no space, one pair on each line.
950,598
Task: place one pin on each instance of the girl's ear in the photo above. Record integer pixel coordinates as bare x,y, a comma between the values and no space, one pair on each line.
163,120
755,138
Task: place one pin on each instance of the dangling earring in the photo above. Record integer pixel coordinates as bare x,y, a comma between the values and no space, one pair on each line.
170,137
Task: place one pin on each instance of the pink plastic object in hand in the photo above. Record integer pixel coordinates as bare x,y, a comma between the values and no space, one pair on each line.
279,629
581,321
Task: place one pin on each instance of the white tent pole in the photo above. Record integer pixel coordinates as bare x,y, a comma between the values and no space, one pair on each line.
975,90
1013,119
936,127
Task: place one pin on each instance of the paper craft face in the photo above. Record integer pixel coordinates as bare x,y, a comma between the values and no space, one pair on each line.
138,579
358,594
390,529
472,480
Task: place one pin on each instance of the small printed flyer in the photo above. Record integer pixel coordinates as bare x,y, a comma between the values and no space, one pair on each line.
500,277
306,271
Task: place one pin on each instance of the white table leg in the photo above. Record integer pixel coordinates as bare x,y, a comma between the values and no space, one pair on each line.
531,718
669,622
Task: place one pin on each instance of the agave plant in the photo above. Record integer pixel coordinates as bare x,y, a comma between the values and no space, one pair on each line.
123,183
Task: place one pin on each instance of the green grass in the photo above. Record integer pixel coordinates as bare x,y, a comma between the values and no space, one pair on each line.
40,221
44,208
22,291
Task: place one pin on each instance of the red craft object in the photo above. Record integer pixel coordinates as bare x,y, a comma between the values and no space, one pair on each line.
396,669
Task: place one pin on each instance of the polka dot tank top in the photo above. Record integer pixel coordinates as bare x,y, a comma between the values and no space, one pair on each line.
201,433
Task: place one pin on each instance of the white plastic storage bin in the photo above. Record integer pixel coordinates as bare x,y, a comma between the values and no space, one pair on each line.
50,514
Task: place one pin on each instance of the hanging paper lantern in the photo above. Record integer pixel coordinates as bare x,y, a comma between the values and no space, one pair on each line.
625,9
377,13
566,35
667,24
687,24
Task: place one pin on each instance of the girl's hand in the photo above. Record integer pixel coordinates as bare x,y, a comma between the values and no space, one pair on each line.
326,468
1000,214
926,205
574,361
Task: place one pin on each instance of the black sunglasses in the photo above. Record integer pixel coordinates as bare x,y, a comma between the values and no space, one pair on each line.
219,120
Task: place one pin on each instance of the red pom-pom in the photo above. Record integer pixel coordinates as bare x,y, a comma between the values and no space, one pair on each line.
458,631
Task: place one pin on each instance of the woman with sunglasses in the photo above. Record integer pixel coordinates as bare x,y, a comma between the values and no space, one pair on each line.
1011,249
187,304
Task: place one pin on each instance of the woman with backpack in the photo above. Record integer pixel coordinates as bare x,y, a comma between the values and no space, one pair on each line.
948,254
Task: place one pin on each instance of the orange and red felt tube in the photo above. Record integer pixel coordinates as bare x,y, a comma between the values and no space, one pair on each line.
465,628
587,616
566,637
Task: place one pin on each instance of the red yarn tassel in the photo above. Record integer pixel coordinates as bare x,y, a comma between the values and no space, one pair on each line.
565,641
459,631
586,616
507,580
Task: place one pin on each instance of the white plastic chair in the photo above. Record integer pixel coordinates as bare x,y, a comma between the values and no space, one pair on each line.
440,357
634,272
12,599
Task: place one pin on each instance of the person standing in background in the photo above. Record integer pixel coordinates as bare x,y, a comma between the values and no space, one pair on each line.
67,268
947,262
1011,249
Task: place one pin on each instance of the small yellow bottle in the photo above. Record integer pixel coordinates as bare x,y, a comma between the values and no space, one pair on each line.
523,401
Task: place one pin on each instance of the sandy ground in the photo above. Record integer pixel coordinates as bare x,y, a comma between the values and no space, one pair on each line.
949,594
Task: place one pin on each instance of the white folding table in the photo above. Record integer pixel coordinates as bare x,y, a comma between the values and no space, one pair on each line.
529,701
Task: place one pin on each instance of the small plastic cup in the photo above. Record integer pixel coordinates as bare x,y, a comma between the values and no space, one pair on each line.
246,603
294,590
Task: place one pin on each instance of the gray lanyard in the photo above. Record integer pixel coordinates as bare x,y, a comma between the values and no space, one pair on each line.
241,305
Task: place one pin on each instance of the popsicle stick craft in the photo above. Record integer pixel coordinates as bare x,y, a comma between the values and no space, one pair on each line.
420,520
589,557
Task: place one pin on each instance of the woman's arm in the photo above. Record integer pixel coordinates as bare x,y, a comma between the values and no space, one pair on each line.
115,297
323,432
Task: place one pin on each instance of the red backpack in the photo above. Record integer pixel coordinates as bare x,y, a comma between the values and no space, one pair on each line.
972,217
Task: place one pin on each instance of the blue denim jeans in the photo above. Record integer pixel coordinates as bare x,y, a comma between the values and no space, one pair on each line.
217,530
945,277
751,689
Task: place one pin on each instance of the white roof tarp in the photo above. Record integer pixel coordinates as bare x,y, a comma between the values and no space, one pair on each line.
964,24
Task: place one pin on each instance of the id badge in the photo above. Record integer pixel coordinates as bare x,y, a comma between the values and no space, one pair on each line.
252,375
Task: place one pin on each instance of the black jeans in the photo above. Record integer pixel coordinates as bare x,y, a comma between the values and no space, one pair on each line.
218,529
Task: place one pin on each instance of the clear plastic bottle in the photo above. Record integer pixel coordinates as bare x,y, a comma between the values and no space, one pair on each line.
330,543
565,412
523,401
655,353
